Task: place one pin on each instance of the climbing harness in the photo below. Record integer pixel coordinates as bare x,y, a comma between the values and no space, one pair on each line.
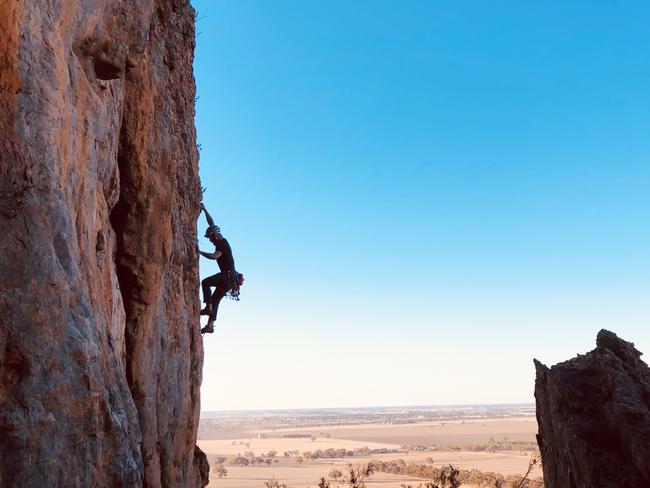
235,281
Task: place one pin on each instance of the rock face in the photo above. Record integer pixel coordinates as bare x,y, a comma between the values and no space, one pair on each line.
100,352
594,418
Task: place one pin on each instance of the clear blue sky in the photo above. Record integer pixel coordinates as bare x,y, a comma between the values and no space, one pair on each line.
423,196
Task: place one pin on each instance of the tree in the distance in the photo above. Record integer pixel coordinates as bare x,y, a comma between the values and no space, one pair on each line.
221,471
336,475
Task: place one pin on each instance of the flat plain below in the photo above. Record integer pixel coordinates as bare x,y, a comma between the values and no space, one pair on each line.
402,437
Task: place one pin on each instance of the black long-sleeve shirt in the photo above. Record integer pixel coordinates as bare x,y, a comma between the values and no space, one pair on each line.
226,262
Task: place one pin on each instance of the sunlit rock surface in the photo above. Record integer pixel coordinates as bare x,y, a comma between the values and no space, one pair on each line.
100,352
594,417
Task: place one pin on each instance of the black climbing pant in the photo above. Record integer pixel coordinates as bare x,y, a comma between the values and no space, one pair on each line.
220,284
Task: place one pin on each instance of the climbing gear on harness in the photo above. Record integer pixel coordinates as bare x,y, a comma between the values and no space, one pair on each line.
235,281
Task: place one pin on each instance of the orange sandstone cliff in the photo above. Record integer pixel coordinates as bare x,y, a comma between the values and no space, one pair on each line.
100,351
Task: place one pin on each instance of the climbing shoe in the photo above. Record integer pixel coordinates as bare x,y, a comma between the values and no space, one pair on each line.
208,329
206,311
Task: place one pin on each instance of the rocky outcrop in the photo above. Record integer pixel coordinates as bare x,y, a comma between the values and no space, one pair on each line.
100,352
593,413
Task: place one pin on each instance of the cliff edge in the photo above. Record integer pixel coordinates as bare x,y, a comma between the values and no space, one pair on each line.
100,351
593,413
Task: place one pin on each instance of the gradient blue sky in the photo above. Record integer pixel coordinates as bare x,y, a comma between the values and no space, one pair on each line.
423,196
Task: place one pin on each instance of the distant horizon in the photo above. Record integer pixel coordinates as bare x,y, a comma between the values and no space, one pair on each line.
415,407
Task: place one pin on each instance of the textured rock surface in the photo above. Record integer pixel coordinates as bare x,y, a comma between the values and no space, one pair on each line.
594,417
100,356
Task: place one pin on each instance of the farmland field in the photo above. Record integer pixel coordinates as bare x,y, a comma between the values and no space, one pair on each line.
292,448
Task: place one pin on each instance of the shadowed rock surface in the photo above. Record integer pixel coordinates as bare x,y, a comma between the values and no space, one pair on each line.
593,413
100,353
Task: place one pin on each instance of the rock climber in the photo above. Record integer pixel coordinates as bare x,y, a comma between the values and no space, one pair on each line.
228,280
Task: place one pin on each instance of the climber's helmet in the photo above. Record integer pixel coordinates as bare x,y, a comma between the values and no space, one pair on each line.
213,231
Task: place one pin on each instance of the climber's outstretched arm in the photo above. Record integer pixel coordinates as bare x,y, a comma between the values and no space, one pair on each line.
210,255
208,217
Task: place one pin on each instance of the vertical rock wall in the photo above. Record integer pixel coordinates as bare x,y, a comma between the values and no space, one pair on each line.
594,418
100,354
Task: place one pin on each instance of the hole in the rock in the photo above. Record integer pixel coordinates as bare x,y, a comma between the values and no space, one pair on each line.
100,250
106,70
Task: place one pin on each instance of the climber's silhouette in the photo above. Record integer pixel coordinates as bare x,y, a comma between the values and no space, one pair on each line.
228,280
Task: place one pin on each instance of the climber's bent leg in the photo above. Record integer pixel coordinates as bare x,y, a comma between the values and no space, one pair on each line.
206,284
219,292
